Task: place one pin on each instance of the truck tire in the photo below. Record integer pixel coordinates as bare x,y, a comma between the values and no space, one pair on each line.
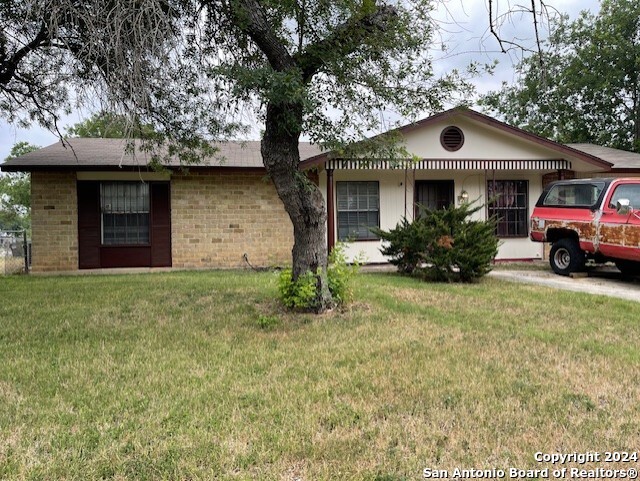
566,257
628,268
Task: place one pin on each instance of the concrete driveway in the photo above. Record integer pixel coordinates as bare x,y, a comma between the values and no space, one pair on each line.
604,281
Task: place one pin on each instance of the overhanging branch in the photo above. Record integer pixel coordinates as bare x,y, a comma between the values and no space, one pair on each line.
345,39
9,65
495,22
250,17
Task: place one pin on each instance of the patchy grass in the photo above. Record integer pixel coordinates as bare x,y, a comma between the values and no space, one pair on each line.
202,376
536,265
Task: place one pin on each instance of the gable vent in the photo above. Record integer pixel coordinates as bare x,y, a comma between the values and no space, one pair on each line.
452,138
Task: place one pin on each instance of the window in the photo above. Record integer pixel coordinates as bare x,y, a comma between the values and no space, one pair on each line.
574,195
358,210
508,203
433,195
626,191
125,213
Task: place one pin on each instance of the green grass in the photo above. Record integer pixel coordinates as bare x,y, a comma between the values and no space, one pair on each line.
202,376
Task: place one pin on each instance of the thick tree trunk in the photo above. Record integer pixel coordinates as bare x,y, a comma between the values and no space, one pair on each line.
302,199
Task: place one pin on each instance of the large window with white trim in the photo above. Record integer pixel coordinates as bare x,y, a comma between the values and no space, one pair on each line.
508,203
358,210
125,213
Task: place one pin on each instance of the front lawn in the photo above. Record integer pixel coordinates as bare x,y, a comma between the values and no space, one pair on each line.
200,375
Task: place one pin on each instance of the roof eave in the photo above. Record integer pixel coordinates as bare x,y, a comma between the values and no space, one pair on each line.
124,168
626,170
486,120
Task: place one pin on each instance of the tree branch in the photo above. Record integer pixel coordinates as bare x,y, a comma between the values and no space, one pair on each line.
249,16
505,45
345,39
9,66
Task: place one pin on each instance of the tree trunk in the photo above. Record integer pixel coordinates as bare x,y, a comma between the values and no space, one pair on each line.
302,199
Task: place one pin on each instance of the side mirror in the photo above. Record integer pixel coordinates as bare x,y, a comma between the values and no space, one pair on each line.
623,206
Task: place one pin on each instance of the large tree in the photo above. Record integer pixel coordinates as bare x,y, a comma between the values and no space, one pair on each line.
196,69
302,59
587,86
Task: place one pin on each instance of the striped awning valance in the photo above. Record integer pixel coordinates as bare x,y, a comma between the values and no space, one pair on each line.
454,164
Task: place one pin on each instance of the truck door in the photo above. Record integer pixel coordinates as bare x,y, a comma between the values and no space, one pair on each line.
619,235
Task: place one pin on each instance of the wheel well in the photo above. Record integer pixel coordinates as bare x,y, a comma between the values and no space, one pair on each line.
554,235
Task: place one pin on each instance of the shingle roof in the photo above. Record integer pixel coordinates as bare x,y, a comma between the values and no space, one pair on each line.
111,153
621,159
103,153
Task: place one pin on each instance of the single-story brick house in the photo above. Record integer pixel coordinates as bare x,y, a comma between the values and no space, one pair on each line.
97,205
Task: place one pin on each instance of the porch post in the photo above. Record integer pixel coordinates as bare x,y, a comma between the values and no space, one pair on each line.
331,230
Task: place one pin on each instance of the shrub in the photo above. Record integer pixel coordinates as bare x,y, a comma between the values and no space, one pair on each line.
443,245
297,295
302,293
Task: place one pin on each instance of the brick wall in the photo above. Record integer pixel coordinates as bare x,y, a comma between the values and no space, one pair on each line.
54,221
216,217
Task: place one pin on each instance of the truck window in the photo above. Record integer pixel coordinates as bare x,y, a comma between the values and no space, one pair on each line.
574,195
626,191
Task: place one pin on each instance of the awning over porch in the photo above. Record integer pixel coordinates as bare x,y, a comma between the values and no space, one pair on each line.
449,164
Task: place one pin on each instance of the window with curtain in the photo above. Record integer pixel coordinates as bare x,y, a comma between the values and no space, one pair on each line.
125,213
358,210
508,203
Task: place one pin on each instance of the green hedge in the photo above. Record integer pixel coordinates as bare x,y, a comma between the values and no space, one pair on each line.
443,244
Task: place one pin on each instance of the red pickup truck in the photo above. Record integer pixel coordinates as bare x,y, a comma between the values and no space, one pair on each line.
595,219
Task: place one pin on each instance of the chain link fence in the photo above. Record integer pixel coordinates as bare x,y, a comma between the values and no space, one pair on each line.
15,252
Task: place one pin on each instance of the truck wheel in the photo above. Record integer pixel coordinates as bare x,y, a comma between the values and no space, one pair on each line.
566,257
628,268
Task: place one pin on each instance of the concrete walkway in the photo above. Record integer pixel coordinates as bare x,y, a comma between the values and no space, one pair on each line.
606,282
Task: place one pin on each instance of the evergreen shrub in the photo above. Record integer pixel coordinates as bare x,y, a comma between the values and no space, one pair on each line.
443,245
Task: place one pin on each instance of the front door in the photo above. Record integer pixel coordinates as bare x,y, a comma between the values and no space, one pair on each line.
433,194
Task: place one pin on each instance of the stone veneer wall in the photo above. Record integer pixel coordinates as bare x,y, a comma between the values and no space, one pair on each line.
216,217
54,221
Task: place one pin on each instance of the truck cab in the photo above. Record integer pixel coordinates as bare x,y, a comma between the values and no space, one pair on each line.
595,219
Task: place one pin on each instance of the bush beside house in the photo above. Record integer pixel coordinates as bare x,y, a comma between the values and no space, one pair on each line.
442,245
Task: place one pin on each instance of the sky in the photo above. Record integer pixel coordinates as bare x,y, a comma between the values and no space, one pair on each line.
464,26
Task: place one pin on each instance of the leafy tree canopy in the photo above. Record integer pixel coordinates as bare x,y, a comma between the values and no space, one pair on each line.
587,86
192,67
200,70
15,193
109,125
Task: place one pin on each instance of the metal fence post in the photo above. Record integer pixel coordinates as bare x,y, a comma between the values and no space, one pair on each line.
25,246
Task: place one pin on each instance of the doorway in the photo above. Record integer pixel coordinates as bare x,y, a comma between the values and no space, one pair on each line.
433,194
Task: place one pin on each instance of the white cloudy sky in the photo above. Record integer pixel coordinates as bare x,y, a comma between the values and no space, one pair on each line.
464,26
